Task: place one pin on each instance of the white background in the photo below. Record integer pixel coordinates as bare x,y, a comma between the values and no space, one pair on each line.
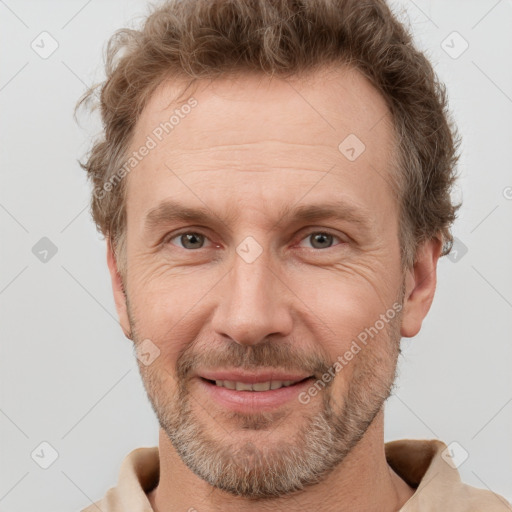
67,374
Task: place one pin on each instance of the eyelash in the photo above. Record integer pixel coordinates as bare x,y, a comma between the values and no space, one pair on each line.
307,235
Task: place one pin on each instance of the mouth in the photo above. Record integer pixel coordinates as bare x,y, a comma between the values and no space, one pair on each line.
268,385
246,394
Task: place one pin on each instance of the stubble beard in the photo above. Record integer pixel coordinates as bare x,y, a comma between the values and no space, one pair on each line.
279,465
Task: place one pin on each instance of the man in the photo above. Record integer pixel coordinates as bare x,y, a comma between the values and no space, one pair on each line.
274,188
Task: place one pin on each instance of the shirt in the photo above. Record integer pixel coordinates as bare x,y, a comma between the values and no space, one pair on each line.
424,464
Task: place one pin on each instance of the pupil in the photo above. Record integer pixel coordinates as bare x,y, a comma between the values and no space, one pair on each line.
192,238
322,238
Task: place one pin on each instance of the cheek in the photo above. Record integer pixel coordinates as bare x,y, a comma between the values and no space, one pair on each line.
332,305
169,307
343,303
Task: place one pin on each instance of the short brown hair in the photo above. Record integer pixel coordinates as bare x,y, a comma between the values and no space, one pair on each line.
205,39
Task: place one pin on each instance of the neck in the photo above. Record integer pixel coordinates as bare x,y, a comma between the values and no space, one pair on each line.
362,482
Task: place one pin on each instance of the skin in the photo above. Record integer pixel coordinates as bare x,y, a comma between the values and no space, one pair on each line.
251,147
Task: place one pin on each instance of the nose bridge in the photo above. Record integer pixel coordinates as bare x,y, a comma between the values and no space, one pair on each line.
254,303
251,276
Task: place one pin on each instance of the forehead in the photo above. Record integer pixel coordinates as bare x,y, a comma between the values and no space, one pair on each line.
327,104
263,140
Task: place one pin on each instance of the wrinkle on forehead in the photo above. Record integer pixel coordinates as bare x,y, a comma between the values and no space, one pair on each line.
266,130
325,105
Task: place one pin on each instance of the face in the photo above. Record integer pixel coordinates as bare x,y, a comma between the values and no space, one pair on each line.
263,280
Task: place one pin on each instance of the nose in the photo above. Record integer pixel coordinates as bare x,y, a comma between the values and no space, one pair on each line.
254,303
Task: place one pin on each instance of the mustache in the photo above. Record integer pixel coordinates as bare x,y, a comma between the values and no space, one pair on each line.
267,354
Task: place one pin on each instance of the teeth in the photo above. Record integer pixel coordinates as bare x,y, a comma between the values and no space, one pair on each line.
240,386
259,386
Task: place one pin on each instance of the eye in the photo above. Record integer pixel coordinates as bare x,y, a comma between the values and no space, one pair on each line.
192,240
322,239
189,240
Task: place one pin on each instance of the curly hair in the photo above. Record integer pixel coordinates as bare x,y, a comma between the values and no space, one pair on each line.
204,39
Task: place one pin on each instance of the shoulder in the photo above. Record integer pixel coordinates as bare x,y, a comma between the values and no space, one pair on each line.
138,474
429,467
472,499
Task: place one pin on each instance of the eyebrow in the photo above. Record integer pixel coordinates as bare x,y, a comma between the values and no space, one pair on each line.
169,211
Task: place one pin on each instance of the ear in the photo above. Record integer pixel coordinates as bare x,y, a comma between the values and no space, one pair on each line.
118,289
420,285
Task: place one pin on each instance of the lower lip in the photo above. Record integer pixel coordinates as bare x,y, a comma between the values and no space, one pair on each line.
253,401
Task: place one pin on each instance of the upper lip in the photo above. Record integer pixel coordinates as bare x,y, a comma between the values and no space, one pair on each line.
252,377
